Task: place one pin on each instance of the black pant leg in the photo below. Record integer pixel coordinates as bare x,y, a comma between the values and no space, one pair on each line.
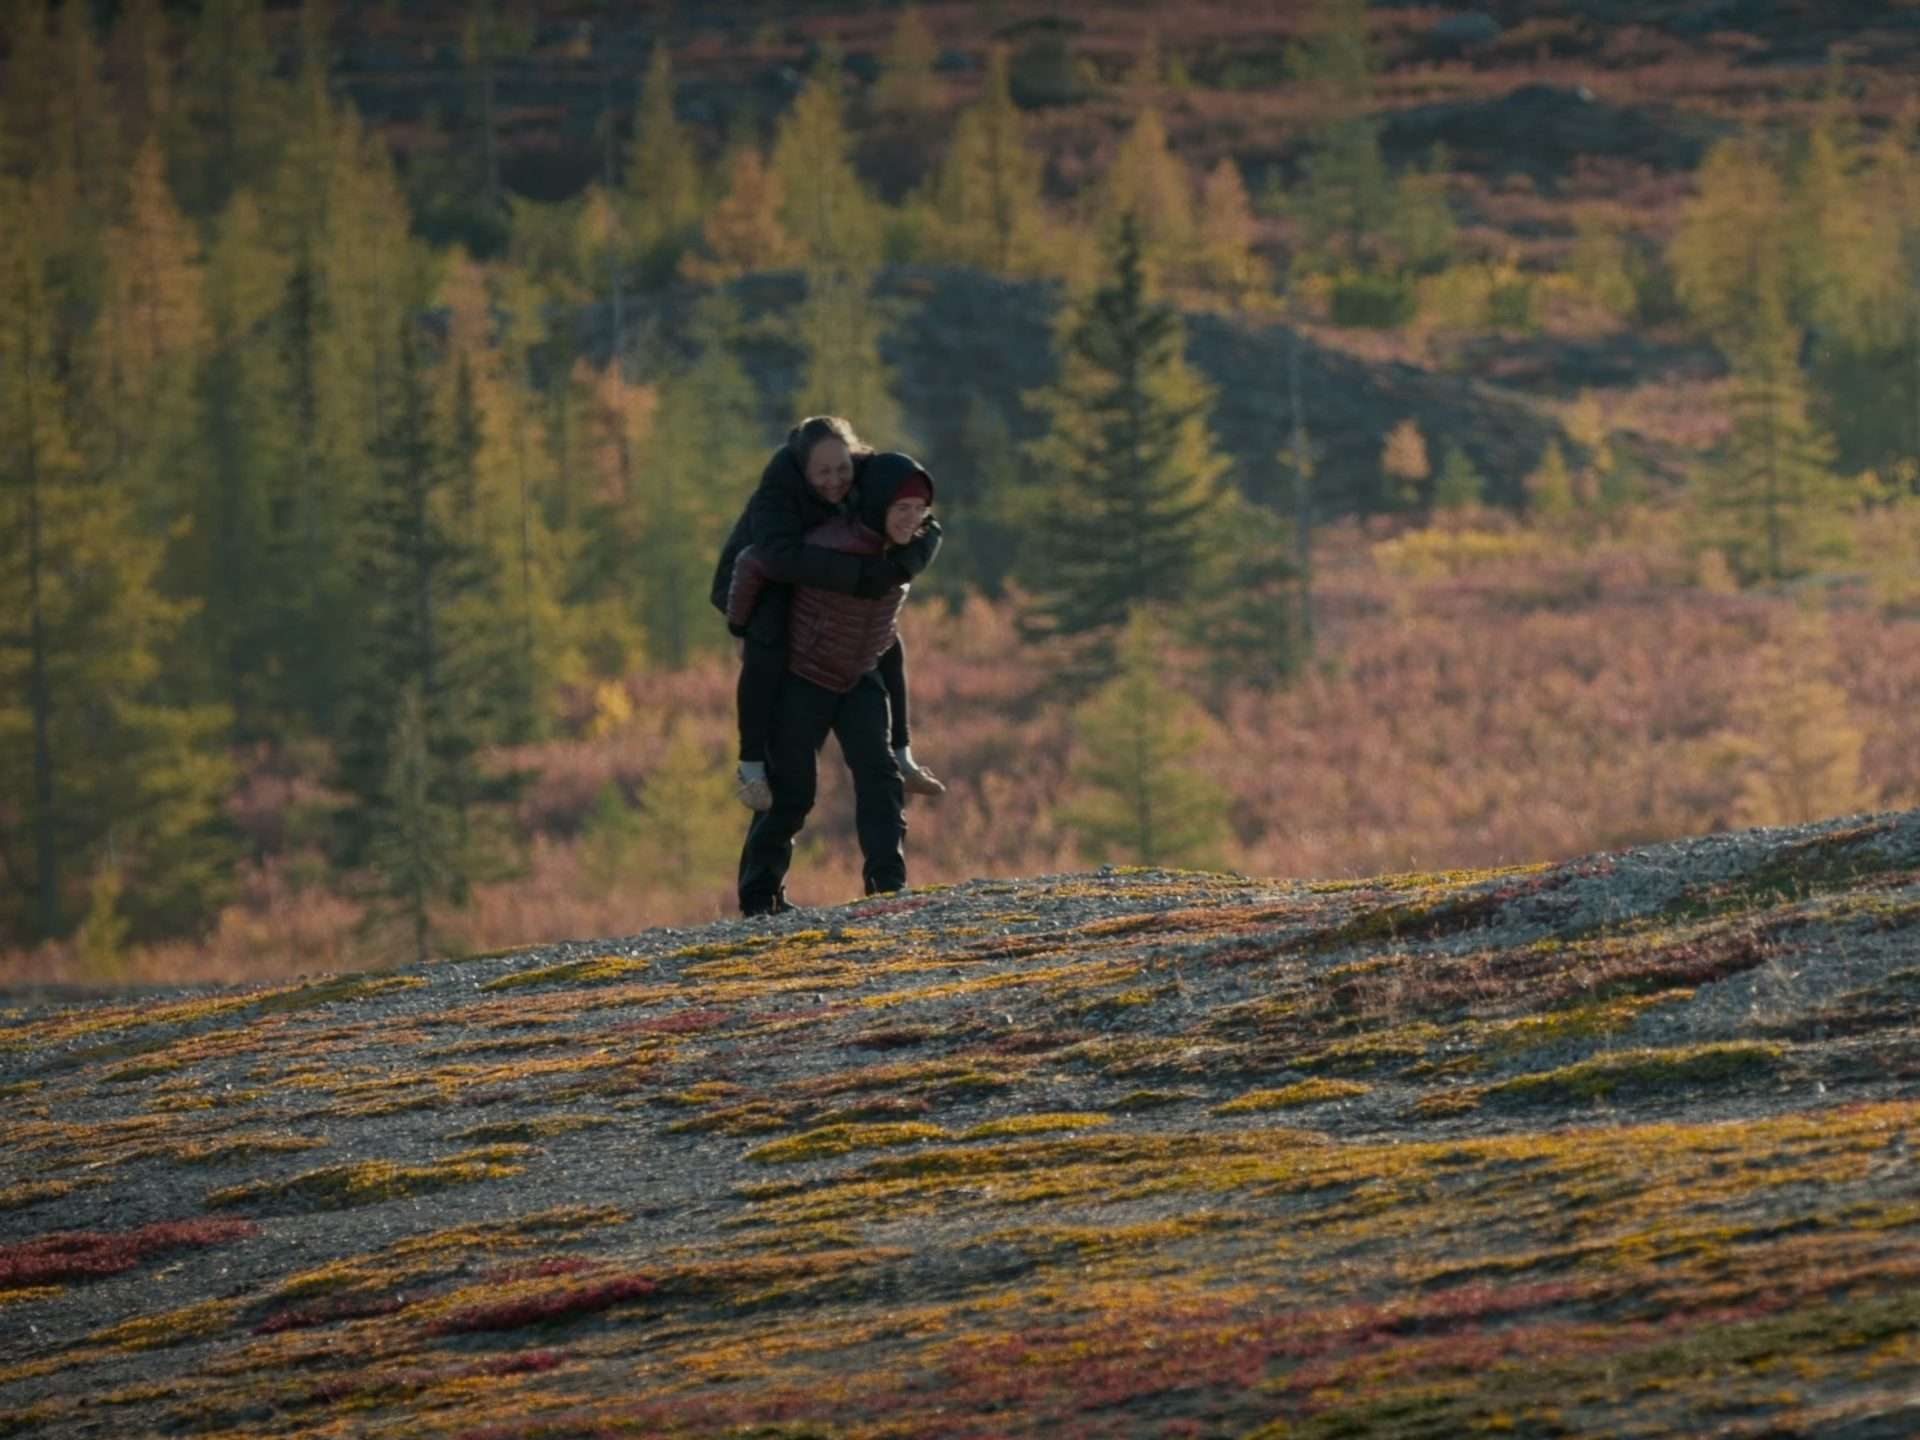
761,668
893,674
879,802
802,714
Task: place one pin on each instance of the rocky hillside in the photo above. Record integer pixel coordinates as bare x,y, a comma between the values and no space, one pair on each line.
957,336
1618,1146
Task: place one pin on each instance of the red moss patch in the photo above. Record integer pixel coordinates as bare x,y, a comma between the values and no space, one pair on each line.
308,1317
89,1254
545,1309
681,1022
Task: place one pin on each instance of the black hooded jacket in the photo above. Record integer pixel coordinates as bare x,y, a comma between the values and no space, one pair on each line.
776,521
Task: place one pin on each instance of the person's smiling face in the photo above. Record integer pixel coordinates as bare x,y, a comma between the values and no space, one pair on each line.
830,470
904,517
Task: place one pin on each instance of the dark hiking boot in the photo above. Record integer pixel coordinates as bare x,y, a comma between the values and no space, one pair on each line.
917,780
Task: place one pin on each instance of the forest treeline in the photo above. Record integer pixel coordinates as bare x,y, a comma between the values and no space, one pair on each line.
310,488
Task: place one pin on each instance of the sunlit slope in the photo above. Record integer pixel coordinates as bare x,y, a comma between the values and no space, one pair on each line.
1618,1146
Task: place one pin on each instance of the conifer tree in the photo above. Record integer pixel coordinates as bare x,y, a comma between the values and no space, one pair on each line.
824,205
600,430
908,86
336,208
685,833
1243,613
84,131
139,42
1550,495
1404,464
1729,256
1227,260
1419,233
242,462
743,232
96,745
100,941
1138,793
1127,473
148,337
1790,739
707,409
495,430
29,94
1600,267
418,852
232,102
986,194
1459,485
838,327
1346,196
488,35
660,192
981,503
1152,187
1771,503
417,574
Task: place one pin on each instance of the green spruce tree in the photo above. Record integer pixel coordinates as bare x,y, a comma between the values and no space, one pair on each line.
1127,475
1772,503
1138,794
99,743
418,577
660,193
1459,485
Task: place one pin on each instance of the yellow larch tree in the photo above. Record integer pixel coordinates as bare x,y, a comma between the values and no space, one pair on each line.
743,232
1227,262
985,197
1791,740
1150,183
823,204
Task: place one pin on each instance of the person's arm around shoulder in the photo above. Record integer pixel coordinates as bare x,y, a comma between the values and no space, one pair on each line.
749,579
777,530
914,556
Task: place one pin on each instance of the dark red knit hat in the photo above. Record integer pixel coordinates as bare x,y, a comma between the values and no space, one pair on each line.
917,486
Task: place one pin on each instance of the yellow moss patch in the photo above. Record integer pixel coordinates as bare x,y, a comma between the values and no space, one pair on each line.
1287,1097
1063,978
830,1140
751,1119
1032,1124
242,1147
594,970
335,990
723,950
32,1192
1637,1069
705,1093
1578,1022
155,1332
368,1182
29,1292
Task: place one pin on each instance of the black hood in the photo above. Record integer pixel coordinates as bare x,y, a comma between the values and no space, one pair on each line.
784,472
880,481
